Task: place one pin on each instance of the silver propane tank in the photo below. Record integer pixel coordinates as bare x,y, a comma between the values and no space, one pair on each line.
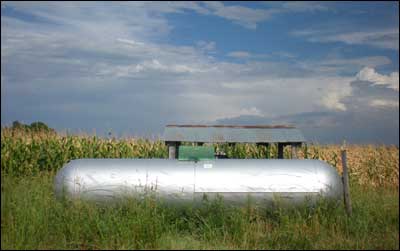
292,181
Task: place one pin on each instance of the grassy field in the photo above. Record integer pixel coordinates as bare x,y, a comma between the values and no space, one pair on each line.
31,218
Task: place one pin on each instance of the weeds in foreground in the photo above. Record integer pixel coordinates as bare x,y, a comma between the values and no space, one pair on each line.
33,219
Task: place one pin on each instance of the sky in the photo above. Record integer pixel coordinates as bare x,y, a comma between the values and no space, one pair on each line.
130,68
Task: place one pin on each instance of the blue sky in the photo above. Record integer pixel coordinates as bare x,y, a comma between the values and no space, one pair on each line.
331,68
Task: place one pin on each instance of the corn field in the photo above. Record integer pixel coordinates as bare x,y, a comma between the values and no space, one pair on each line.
30,153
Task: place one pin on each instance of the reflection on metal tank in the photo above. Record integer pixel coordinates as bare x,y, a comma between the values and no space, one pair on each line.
176,181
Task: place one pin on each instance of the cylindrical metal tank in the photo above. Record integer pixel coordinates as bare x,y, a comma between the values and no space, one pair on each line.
263,181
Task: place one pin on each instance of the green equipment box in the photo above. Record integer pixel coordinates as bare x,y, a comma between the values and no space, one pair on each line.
196,153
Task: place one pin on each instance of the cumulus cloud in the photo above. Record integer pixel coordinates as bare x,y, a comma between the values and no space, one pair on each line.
369,74
335,90
334,98
333,101
370,113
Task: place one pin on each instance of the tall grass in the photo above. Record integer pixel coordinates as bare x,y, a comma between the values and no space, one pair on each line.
33,219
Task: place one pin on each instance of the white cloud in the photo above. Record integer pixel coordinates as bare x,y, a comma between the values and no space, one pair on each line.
384,103
362,61
369,74
300,6
205,46
337,92
247,17
149,66
284,54
129,42
333,101
252,56
387,39
337,65
250,17
333,91
239,54
251,111
296,94
177,6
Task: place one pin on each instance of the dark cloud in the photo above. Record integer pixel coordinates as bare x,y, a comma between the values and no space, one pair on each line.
360,123
334,127
363,92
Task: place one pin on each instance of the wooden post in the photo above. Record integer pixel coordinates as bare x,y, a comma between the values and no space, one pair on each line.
172,149
345,179
280,150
